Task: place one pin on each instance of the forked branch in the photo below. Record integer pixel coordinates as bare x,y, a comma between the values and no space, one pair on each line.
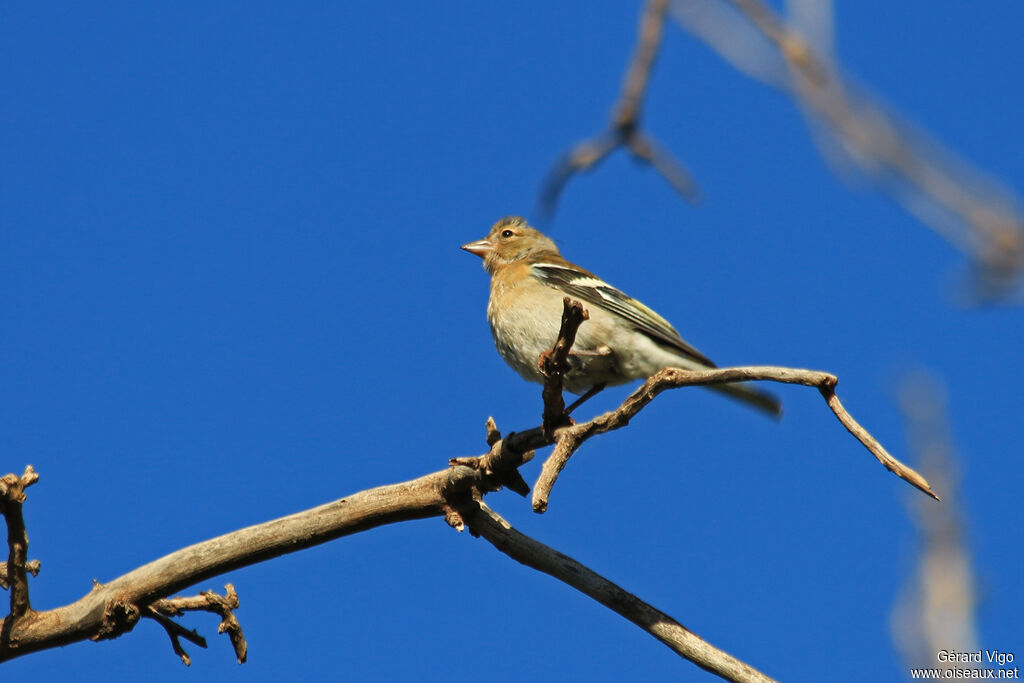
207,601
456,494
569,439
624,128
114,608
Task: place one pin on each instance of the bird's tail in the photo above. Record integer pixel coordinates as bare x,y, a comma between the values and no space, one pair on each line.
747,393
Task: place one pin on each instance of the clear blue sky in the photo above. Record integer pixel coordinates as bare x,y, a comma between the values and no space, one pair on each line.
232,290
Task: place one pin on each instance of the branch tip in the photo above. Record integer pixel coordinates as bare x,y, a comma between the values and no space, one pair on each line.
568,439
493,435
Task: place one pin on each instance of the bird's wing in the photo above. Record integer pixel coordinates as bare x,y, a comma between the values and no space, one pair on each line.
591,289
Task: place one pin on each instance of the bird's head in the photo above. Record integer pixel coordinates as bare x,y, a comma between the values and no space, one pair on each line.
511,239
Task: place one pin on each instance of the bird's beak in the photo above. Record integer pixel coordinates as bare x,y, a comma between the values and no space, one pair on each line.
481,248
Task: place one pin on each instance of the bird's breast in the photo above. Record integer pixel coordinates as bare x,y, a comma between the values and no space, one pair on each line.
525,322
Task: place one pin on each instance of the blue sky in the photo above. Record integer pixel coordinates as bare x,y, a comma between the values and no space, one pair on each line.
232,290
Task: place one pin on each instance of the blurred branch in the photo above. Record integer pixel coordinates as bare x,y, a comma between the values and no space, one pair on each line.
936,610
624,127
969,209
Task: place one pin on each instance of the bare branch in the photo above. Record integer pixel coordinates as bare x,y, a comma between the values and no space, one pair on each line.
114,608
486,523
624,128
208,601
500,465
937,608
967,208
175,632
555,363
569,439
12,495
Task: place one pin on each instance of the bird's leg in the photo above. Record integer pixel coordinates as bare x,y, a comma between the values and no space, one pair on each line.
591,392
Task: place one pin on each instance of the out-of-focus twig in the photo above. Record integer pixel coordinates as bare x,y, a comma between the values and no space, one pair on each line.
854,130
936,610
624,128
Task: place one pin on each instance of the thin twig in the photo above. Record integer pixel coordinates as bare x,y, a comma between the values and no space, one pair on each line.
569,439
486,523
624,127
113,608
175,632
207,601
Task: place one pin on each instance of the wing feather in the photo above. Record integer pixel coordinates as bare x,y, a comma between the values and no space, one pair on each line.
593,290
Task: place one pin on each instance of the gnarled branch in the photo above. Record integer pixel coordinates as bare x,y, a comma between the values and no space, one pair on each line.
114,608
455,494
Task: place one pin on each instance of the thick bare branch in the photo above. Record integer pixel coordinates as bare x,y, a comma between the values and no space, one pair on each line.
112,609
569,439
486,523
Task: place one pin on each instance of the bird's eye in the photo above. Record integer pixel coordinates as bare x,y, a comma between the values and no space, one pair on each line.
507,233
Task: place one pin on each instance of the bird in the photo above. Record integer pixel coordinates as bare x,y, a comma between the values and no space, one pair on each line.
623,340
